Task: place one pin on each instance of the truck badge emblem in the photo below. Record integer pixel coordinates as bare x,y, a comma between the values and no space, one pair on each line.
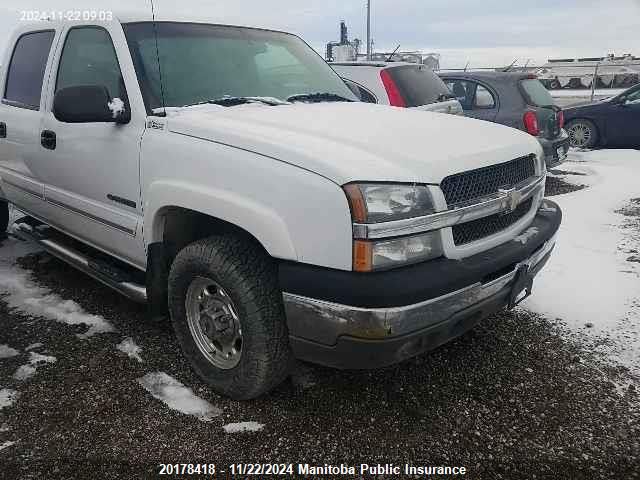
512,198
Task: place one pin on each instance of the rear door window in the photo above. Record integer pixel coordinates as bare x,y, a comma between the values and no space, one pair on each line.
535,93
419,85
26,69
464,91
484,98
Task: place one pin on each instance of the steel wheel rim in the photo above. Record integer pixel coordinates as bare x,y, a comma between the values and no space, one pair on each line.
580,135
214,323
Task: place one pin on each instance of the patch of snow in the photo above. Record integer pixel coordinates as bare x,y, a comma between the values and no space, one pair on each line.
527,235
23,295
33,346
29,370
7,397
7,352
243,427
116,106
129,347
178,397
6,445
588,280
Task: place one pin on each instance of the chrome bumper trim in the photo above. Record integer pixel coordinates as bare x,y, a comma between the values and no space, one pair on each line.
501,202
324,322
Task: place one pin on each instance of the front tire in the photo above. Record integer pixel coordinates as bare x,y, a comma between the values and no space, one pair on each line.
582,133
227,313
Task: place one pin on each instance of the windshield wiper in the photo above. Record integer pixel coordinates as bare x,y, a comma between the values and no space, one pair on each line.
318,97
235,101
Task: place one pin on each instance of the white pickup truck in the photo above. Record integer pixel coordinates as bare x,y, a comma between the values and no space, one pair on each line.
226,176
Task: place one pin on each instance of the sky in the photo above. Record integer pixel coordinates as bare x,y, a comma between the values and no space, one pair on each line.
487,33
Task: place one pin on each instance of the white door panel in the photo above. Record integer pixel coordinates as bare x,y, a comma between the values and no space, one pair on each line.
20,184
22,84
98,212
91,178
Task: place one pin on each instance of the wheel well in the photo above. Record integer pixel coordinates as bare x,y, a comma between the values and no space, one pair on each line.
182,226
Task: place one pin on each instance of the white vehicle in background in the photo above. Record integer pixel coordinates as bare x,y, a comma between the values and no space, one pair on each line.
257,203
399,84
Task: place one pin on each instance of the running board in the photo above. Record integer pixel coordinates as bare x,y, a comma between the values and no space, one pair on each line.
110,276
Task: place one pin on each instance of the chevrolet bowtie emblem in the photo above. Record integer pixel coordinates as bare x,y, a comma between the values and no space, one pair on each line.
512,198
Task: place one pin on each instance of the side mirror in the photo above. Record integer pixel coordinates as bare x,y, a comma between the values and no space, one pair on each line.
89,104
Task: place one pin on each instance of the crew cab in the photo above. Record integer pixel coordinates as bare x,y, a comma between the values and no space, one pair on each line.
256,203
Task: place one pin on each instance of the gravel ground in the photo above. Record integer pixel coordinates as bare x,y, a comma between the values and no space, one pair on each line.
511,399
518,397
558,186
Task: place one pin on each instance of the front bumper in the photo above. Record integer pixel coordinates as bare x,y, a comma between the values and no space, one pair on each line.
380,330
555,149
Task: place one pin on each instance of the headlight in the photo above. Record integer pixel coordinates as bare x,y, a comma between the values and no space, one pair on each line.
378,202
381,202
385,254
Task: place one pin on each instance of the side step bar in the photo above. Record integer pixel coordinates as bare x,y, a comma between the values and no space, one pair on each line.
98,270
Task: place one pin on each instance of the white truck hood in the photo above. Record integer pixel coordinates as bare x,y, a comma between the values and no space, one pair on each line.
347,142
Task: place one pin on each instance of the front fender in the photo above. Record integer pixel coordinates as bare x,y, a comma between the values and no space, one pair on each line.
261,222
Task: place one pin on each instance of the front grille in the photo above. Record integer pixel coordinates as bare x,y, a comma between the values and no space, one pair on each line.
468,186
487,226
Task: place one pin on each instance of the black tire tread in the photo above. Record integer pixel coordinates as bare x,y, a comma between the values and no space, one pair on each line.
250,277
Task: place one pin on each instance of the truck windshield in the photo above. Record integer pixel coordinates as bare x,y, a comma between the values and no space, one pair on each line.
195,63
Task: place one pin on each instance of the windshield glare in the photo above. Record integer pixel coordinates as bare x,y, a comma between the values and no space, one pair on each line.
201,62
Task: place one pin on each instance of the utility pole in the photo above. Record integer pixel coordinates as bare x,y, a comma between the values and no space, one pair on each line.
369,30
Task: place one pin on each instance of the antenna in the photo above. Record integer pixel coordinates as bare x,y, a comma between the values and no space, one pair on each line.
510,66
369,30
393,53
155,34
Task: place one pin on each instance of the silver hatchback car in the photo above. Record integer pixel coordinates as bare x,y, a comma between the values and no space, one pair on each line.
399,84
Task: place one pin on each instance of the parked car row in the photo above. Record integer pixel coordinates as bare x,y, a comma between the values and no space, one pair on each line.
229,178
513,99
518,100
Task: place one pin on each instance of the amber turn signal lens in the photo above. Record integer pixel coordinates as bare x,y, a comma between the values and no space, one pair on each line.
362,256
356,202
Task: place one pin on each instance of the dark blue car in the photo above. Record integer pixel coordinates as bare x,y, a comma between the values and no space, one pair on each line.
613,122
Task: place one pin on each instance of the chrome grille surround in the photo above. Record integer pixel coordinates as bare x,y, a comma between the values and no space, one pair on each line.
468,187
501,202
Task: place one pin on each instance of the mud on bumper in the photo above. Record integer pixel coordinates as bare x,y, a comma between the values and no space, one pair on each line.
360,321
